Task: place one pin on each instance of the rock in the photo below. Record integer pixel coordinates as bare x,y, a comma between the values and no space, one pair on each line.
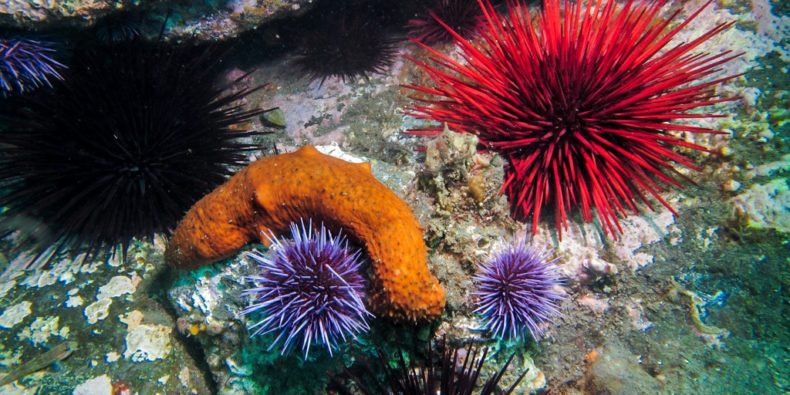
765,206
145,342
599,267
126,337
201,20
15,314
450,149
209,304
615,371
101,385
731,185
212,296
768,169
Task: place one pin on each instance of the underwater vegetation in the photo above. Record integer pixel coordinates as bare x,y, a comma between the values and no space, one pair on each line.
344,43
310,291
515,291
462,16
26,65
275,191
456,371
134,134
579,106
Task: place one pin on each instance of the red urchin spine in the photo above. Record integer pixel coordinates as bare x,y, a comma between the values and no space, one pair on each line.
579,104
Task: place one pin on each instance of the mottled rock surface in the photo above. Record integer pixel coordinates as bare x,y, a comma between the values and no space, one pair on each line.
212,19
111,310
617,372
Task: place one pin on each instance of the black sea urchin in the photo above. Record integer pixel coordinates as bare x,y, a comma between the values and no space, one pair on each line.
462,16
456,371
119,26
120,149
347,44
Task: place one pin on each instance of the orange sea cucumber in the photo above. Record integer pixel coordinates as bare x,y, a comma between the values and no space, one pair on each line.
275,191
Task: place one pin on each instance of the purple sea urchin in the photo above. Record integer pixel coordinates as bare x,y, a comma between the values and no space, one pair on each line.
515,291
26,65
310,290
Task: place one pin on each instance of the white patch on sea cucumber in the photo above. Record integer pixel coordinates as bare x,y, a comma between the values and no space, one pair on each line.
98,310
118,285
41,330
74,301
101,385
6,286
15,314
145,342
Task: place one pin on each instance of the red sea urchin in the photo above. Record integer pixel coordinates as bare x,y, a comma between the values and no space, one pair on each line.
579,104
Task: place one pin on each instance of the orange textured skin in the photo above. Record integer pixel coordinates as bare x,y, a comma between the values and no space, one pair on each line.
275,191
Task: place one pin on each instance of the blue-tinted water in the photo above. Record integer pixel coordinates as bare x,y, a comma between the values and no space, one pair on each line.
115,119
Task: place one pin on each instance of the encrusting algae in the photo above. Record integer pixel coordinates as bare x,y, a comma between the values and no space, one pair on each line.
275,191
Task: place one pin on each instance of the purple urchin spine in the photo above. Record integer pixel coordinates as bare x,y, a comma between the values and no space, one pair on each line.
26,65
310,290
517,290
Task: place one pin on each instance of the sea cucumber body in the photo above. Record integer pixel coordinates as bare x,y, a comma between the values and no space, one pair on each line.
275,191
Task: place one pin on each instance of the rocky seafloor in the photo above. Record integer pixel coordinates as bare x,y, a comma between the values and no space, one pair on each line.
694,304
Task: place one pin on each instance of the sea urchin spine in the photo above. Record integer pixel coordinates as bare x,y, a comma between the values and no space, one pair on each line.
345,43
516,291
310,290
120,149
26,65
579,101
462,16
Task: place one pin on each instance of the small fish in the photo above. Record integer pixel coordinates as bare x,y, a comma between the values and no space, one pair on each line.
57,353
